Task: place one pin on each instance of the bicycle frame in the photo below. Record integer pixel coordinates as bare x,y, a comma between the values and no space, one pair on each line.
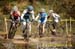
41,30
12,30
26,31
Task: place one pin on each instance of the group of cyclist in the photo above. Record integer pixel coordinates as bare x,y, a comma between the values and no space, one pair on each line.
28,16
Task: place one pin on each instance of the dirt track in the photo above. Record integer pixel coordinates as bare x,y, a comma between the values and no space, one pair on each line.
53,41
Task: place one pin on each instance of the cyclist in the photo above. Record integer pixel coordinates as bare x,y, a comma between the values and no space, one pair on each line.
15,18
43,18
26,18
15,14
56,19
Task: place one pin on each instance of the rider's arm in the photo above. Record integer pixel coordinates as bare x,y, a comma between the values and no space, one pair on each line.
18,13
11,14
23,14
37,17
58,16
32,14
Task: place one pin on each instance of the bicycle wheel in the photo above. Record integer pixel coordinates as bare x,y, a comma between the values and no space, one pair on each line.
12,31
48,28
26,33
40,30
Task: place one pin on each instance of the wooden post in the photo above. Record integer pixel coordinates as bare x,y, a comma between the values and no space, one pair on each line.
66,32
70,25
66,27
70,32
6,25
6,30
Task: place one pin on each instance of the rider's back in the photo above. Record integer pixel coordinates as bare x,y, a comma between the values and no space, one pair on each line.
55,17
15,14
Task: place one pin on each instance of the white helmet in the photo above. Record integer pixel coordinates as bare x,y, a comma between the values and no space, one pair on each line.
42,10
15,8
51,11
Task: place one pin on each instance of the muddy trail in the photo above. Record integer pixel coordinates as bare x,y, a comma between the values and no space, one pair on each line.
52,42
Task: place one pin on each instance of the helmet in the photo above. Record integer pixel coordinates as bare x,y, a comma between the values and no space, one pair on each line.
51,11
15,8
30,8
42,10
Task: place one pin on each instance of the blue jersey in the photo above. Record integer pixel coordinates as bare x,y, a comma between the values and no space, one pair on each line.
43,15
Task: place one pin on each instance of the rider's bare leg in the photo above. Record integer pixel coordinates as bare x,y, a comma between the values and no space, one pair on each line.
29,24
38,25
23,26
43,30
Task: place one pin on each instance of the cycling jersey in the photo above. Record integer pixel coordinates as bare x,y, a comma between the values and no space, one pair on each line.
26,15
55,17
43,17
15,15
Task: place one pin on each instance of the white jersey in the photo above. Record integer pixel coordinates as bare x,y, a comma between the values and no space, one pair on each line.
25,11
55,17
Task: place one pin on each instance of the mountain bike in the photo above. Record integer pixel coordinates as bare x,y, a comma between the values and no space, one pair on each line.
49,28
26,32
12,30
41,30
58,28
